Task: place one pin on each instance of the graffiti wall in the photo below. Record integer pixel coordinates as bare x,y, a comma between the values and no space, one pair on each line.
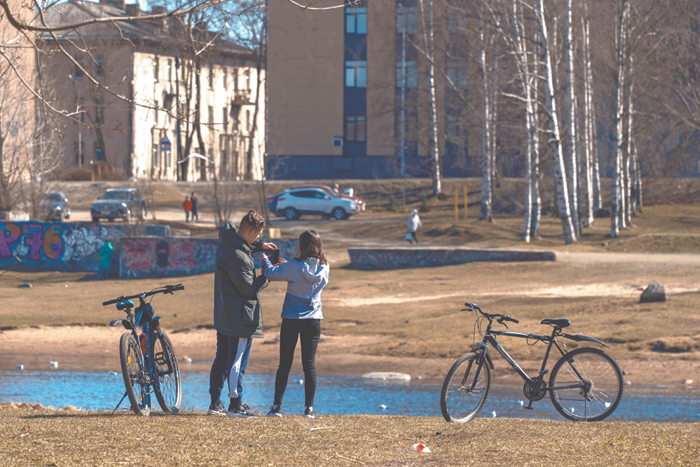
163,257
400,258
42,246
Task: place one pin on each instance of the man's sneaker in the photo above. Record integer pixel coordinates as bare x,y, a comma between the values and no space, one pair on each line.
309,412
217,408
242,411
275,411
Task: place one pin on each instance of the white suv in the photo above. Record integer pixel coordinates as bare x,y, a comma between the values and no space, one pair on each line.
309,200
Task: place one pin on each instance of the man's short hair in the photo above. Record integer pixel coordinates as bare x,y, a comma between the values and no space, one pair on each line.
252,221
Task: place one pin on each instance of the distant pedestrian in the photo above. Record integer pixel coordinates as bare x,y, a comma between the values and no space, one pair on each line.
193,200
105,259
187,206
349,191
413,225
306,276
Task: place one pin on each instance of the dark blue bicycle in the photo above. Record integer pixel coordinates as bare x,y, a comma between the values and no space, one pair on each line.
585,383
149,364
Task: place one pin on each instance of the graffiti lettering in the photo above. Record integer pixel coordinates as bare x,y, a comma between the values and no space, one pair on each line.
30,240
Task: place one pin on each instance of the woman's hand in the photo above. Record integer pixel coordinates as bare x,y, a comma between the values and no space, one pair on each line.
269,246
282,260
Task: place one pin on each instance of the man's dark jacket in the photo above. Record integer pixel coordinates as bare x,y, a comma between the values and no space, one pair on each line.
237,310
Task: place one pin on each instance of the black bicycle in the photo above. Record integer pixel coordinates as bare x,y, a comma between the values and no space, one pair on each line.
149,364
585,383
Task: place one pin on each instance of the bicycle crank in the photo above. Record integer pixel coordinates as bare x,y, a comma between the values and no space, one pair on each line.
532,394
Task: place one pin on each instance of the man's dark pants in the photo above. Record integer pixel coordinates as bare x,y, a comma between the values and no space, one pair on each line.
226,348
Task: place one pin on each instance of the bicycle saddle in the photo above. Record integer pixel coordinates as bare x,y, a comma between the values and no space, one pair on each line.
560,323
125,305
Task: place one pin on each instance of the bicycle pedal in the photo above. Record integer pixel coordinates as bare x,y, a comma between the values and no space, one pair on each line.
527,407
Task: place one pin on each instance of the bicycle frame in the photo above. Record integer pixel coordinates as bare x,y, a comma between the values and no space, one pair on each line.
490,339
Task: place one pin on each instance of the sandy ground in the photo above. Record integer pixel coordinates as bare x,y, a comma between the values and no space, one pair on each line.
95,349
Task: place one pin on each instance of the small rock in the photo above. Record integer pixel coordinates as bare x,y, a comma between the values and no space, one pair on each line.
408,321
628,383
174,315
53,364
688,381
186,359
654,292
26,285
604,244
20,367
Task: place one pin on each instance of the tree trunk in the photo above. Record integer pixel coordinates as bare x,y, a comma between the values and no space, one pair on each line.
428,40
587,124
554,136
630,142
572,142
616,212
486,168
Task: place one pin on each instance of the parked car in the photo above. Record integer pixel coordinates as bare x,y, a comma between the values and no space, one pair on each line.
55,206
119,204
315,200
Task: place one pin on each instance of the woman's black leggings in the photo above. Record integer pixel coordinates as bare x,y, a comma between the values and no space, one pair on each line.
309,331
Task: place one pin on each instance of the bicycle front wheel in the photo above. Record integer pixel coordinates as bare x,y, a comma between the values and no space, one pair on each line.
465,389
168,390
133,373
586,384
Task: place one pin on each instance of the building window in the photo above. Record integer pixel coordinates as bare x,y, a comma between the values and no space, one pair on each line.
456,21
170,70
99,66
235,80
246,77
78,73
99,154
405,20
224,113
156,69
355,128
356,74
355,20
154,154
210,79
211,117
225,72
247,121
99,109
155,112
457,72
411,74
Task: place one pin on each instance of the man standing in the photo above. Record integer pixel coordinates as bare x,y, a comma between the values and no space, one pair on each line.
105,259
195,214
237,310
413,225
187,206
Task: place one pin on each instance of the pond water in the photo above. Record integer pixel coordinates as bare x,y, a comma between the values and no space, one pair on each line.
334,396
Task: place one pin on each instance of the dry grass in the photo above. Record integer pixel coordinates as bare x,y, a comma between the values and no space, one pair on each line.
45,437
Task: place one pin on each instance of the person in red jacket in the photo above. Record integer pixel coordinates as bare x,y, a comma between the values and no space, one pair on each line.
187,206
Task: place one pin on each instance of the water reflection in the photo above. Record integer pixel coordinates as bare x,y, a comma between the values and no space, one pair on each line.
337,396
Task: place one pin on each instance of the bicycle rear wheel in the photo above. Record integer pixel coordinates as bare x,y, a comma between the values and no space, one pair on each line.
168,390
133,373
463,392
597,386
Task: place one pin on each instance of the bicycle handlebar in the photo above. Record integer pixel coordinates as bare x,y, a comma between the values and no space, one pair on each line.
164,289
490,317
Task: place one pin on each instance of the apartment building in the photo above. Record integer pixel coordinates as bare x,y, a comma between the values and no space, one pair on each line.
161,97
347,91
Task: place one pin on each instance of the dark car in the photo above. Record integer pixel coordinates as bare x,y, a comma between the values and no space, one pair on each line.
55,206
125,204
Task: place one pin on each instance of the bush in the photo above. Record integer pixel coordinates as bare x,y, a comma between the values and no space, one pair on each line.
394,205
424,203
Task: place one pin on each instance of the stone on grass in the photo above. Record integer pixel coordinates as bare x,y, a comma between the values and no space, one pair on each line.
25,285
654,292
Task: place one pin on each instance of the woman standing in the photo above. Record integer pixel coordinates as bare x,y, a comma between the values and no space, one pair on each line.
306,275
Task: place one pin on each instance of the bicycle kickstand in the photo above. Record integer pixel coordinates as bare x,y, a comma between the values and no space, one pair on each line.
529,406
124,397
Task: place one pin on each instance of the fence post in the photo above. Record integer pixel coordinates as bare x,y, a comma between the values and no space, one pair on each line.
465,202
456,206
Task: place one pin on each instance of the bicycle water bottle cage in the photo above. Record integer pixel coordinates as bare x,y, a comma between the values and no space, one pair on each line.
125,305
557,323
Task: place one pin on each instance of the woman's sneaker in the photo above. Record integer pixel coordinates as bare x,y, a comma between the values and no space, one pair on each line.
309,412
217,408
275,411
242,411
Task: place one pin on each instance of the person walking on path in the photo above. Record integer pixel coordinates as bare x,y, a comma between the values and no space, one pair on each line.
105,259
306,276
187,206
237,310
195,214
413,225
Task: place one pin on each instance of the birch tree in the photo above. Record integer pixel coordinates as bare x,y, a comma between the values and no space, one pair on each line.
429,44
553,135
572,147
617,211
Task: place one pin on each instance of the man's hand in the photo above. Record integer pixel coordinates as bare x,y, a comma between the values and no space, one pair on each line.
269,246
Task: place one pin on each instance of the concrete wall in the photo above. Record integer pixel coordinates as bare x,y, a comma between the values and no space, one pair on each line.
164,257
400,258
